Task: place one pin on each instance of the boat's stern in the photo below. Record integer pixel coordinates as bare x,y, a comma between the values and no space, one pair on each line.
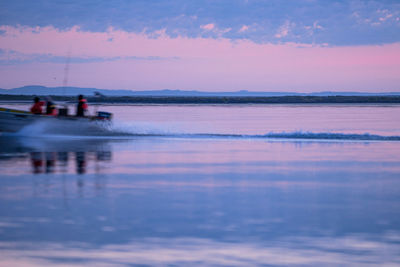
105,116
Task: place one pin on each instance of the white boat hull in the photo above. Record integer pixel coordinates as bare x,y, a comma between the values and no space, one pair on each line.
17,121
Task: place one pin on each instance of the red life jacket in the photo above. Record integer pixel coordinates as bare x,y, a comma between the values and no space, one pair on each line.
37,107
84,103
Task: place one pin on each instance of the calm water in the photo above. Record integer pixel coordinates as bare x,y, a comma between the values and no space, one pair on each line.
207,185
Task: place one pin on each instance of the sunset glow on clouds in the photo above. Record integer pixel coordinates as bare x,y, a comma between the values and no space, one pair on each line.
211,61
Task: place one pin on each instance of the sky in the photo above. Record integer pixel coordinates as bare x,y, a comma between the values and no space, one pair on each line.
205,45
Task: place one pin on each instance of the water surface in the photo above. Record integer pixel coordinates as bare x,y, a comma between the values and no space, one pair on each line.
168,197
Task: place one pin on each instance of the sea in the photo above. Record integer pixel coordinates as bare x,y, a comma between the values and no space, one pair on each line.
205,185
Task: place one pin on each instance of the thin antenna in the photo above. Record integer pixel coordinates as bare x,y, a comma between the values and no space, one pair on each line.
66,72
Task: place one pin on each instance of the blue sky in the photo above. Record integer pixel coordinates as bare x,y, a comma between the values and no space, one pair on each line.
220,45
352,22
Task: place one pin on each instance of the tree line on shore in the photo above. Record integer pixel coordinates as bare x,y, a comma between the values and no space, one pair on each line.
217,100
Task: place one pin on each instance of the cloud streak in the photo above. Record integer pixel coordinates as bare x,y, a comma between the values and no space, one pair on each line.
11,57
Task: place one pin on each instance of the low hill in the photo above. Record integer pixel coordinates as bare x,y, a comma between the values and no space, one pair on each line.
73,91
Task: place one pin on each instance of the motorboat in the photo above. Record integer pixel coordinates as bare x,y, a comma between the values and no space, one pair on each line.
14,120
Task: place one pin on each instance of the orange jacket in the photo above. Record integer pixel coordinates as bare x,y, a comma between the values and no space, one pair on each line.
81,108
84,103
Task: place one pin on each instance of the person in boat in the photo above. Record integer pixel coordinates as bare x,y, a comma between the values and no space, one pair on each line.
82,106
37,106
50,107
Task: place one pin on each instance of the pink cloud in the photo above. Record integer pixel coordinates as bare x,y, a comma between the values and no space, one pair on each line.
284,29
202,64
208,27
244,28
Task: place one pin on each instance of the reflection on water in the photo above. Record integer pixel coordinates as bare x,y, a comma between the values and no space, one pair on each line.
47,162
160,201
54,156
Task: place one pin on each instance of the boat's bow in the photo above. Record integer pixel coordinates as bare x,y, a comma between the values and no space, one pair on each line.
13,120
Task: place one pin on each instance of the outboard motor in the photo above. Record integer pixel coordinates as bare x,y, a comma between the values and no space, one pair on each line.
102,115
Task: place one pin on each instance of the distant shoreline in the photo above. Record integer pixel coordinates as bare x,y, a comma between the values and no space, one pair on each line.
219,99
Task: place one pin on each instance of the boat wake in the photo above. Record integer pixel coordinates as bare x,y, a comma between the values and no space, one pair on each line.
125,131
303,136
